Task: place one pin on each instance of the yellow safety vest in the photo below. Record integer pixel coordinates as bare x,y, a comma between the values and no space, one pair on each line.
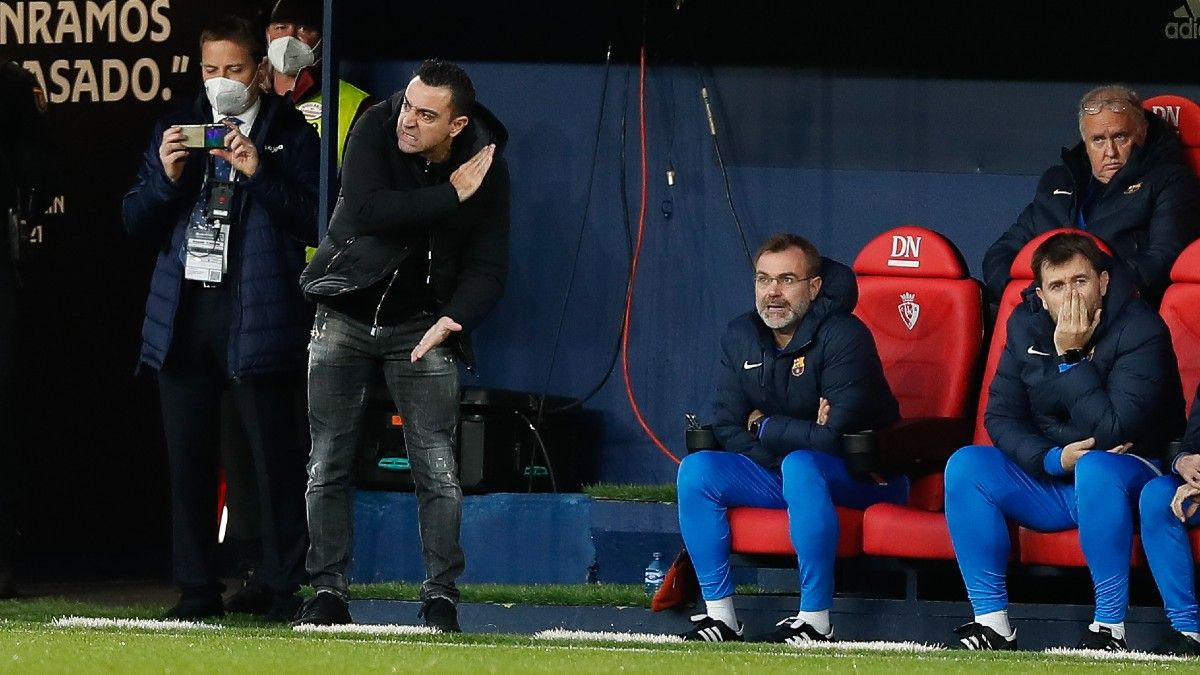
350,98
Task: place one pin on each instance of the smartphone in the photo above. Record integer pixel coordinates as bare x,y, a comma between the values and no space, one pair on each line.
204,136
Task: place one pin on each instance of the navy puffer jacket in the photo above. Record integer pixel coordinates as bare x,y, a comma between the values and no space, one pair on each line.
1126,390
831,355
270,319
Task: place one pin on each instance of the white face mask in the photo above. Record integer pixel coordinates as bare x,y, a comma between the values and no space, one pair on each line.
229,97
289,55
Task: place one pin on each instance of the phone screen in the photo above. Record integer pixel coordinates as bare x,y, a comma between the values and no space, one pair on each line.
204,136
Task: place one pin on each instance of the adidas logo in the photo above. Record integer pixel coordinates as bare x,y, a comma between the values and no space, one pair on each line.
1185,26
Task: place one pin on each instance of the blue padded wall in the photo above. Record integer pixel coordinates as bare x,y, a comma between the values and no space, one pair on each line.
837,159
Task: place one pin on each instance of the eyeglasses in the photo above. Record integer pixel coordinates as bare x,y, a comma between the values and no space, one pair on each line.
1117,105
784,280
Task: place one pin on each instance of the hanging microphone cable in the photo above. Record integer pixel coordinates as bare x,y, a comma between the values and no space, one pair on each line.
712,131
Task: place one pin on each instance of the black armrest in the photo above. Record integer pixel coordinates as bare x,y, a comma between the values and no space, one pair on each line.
922,445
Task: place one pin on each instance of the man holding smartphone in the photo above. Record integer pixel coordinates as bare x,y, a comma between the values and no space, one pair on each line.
224,311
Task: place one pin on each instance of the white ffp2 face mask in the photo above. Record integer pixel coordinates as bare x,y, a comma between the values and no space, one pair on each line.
228,97
289,55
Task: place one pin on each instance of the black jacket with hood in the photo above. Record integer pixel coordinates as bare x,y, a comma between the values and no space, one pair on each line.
1147,213
831,355
1126,390
391,207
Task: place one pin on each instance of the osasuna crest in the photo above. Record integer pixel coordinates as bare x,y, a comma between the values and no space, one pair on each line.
910,311
798,366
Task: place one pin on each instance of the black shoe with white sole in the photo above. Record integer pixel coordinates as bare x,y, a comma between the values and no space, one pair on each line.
1178,644
795,631
1101,640
708,629
977,636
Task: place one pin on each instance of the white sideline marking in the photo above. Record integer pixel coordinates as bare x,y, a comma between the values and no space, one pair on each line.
869,646
367,629
604,636
143,624
1114,656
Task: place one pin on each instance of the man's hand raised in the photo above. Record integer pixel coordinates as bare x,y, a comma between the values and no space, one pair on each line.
1074,327
467,178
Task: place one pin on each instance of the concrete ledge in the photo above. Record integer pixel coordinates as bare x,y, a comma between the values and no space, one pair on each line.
518,538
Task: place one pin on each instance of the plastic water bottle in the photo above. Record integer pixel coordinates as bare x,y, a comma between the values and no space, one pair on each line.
655,572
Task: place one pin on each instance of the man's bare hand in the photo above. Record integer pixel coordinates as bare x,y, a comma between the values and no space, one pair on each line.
823,411
241,153
467,178
1188,468
173,153
435,336
1183,504
1071,452
1074,327
754,415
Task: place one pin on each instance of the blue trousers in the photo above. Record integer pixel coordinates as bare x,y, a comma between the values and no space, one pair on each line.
983,487
1169,552
807,485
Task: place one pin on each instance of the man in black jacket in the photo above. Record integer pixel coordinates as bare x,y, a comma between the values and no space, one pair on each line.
26,163
1126,182
224,313
1082,405
415,257
796,374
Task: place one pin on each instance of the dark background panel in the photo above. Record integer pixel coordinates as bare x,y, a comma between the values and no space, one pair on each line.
837,120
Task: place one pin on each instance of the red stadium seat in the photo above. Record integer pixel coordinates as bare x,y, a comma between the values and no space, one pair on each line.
925,312
1180,309
1184,115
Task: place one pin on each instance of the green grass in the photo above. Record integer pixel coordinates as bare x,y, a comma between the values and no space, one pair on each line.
28,644
29,647
631,493
607,595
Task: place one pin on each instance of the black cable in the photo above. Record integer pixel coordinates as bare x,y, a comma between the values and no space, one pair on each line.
712,130
545,454
587,202
612,362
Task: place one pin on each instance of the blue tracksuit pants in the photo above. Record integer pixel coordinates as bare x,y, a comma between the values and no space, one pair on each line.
983,487
808,485
1169,552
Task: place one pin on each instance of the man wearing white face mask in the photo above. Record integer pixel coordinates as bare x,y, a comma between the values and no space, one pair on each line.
293,50
224,312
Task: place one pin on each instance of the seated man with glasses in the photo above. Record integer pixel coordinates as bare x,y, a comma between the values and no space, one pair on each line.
1126,182
796,373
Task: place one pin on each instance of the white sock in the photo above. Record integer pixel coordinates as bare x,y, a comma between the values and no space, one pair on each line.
1194,636
722,610
818,620
1118,629
997,621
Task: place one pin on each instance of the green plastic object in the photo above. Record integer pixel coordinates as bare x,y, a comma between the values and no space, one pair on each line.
394,464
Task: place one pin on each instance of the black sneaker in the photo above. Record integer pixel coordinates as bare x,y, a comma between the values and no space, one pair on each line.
1101,640
323,609
978,636
708,629
440,613
795,631
192,607
251,598
1178,644
284,609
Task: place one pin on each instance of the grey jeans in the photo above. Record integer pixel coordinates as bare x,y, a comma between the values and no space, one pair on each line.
342,362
